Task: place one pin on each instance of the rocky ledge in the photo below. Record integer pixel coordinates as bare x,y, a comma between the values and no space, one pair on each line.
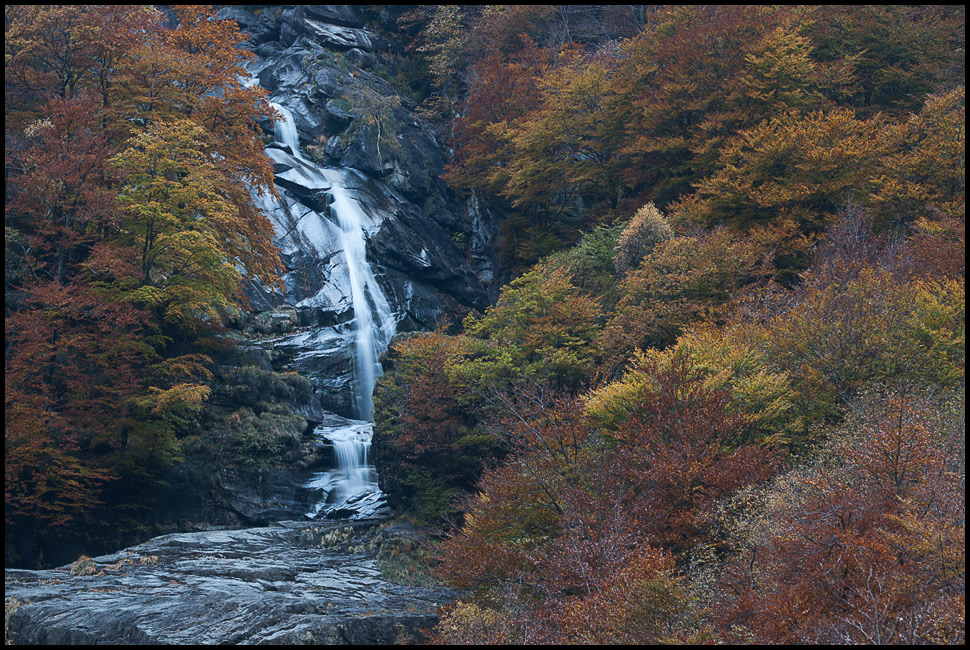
291,583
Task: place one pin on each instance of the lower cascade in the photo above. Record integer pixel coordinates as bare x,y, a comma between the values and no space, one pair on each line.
351,489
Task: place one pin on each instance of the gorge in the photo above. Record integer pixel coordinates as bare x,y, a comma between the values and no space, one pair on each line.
485,324
368,239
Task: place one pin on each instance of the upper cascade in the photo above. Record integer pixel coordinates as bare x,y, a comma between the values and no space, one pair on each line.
375,323
285,130
338,233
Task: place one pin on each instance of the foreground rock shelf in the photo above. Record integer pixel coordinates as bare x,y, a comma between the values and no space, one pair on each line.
291,583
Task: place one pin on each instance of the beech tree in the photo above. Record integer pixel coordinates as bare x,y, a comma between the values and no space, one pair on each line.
500,93
190,237
683,449
540,331
867,544
858,317
681,281
427,433
132,151
895,55
805,169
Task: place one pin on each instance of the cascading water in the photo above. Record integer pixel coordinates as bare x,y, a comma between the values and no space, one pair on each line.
352,488
375,323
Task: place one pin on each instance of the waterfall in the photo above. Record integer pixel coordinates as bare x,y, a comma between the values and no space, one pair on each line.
353,485
375,322
285,131
351,489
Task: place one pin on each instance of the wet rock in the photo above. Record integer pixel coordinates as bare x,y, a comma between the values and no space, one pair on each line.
279,321
245,19
290,583
417,225
330,84
346,15
362,154
337,37
324,356
268,496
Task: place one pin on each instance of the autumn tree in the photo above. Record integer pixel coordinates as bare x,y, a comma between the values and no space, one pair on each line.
646,229
431,409
678,84
867,543
122,232
564,538
938,248
61,199
779,75
684,448
185,230
590,264
428,441
67,50
731,358
802,170
857,318
72,360
520,504
564,153
681,281
501,92
895,55
794,167
540,331
924,172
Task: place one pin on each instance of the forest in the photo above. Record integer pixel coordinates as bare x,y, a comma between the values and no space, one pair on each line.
720,396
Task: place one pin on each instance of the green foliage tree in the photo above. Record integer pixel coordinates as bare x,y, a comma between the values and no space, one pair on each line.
541,330
590,264
646,229
184,228
681,281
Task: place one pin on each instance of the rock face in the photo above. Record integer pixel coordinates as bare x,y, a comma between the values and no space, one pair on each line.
348,137
289,584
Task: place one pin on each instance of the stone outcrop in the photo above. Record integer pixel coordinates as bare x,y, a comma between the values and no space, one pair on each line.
292,583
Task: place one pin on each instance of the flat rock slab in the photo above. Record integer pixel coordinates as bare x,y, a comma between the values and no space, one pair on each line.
292,583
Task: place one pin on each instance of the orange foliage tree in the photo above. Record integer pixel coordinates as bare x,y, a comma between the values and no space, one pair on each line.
867,545
95,293
427,439
577,525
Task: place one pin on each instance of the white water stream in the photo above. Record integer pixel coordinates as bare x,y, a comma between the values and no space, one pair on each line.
354,482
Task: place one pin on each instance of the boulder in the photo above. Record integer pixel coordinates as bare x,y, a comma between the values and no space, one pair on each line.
346,15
